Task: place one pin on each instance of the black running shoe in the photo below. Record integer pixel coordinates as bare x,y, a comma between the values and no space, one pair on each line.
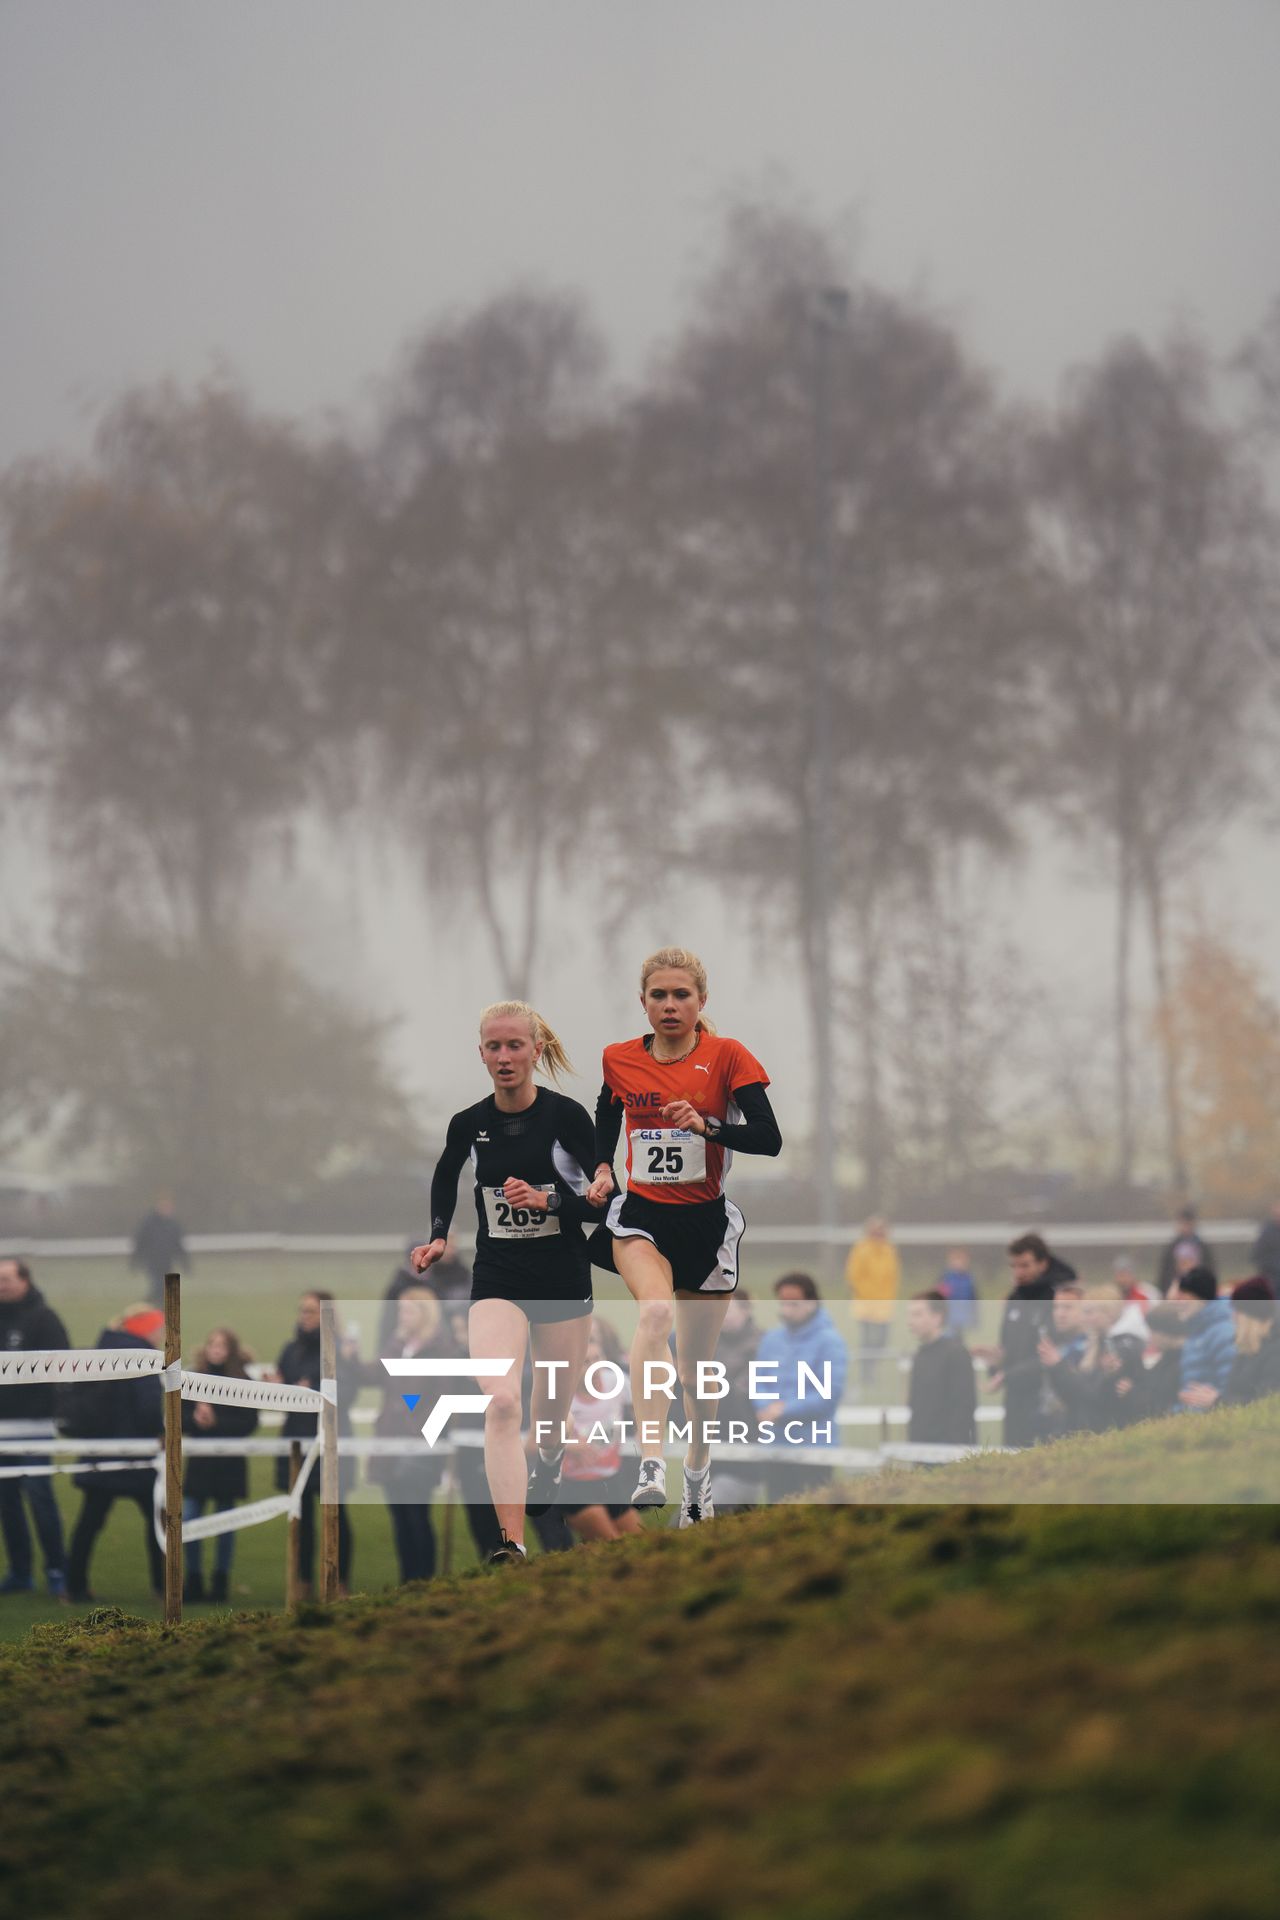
544,1479
509,1554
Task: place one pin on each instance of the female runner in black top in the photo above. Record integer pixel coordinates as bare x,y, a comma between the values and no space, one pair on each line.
531,1148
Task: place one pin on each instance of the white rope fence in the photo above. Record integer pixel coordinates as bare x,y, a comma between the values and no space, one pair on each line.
77,1366
71,1366
81,1366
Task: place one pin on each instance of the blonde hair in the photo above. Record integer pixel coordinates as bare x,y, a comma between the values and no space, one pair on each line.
686,962
427,1301
554,1060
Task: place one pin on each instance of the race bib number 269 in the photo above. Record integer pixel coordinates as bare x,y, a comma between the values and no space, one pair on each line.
667,1157
508,1222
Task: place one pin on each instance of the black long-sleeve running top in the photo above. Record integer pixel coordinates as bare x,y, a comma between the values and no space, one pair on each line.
756,1132
548,1145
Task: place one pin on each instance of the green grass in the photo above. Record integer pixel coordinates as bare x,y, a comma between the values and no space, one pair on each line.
1224,1458
824,1713
118,1573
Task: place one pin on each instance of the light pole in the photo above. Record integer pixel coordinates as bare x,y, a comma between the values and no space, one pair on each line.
829,313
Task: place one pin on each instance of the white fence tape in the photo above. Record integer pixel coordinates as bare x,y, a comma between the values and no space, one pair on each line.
232,1519
66,1466
220,1391
71,1365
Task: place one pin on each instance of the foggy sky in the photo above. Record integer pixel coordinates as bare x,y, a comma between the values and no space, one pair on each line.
292,190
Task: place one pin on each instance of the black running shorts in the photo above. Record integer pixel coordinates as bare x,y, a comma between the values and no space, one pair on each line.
699,1239
493,1283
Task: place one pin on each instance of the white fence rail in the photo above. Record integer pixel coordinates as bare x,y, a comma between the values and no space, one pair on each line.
964,1233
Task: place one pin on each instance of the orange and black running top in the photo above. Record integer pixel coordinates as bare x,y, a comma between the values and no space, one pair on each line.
720,1078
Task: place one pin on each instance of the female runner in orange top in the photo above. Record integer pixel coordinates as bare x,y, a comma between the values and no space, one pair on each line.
691,1099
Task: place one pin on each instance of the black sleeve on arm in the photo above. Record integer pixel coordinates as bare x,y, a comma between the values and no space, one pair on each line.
577,1138
758,1131
444,1181
608,1126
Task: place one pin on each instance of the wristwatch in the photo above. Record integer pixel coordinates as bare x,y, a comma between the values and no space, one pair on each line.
711,1125
553,1200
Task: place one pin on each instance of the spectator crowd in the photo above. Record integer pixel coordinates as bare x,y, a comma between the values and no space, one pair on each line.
1071,1355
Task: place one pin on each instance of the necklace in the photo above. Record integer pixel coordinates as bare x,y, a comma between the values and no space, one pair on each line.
676,1058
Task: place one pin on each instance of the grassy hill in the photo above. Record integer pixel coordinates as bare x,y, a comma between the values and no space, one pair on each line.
1230,1457
942,1713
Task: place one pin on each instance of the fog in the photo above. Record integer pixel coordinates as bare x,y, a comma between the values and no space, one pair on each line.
289,195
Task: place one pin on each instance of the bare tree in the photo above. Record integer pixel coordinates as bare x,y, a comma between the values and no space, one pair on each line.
221,1073
956,1019
1152,523
167,609
926,690
499,671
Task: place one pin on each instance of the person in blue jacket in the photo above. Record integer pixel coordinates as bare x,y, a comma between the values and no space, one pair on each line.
1210,1346
807,1333
957,1285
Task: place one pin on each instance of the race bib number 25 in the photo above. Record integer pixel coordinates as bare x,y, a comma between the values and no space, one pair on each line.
667,1157
508,1222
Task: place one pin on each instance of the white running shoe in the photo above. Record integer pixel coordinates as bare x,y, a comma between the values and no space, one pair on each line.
696,1504
651,1488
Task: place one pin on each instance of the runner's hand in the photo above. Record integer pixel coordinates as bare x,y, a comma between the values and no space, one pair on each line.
423,1257
521,1194
678,1113
601,1187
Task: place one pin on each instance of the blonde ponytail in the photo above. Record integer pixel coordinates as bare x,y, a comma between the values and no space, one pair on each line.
554,1061
687,962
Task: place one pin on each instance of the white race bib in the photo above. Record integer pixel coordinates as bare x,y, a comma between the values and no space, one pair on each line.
667,1157
508,1222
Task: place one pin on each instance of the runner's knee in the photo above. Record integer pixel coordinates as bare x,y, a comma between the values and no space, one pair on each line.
503,1411
657,1318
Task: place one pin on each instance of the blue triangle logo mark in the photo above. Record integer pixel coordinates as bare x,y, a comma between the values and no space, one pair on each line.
411,1400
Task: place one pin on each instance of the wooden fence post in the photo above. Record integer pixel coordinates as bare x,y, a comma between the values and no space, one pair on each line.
172,1455
329,1484
292,1538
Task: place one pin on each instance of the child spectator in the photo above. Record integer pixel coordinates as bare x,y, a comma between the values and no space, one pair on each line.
217,1480
957,1285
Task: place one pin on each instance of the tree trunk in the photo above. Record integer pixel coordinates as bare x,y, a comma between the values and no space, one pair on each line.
873,1144
1123,1016
1153,885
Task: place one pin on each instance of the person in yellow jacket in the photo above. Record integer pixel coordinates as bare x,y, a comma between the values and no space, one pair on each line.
873,1273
